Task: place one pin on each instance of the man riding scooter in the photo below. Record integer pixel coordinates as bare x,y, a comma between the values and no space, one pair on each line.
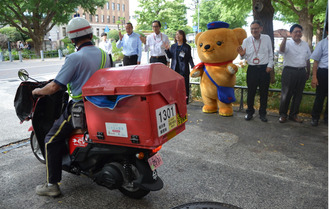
77,69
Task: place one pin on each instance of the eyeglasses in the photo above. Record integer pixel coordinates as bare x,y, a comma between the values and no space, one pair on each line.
297,31
155,26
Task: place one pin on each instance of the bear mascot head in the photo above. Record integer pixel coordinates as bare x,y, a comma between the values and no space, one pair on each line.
217,48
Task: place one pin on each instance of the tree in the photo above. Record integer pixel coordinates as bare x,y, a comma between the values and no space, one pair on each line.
310,14
39,17
171,14
264,11
231,12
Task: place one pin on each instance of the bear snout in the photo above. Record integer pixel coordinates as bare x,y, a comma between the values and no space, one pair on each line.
207,46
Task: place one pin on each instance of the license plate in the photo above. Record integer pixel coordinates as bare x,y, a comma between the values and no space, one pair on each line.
155,161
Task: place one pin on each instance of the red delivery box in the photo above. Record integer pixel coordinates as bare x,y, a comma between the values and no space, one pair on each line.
138,106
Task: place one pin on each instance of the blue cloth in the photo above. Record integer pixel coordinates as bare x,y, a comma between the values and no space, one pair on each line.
217,24
131,44
104,102
224,94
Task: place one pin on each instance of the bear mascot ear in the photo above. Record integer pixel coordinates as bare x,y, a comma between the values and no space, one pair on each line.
197,37
240,34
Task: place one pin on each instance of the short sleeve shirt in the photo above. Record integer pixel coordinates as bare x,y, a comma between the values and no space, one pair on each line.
79,67
320,53
296,55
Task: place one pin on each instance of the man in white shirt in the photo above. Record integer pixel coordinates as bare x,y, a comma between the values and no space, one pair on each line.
106,45
156,43
296,55
258,51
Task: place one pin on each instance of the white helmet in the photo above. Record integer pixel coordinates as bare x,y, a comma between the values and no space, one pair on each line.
78,27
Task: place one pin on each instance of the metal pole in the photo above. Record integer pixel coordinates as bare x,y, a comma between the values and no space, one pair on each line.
41,54
59,54
1,57
20,56
198,15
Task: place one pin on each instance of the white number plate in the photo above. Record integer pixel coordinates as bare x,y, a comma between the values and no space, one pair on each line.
166,119
155,161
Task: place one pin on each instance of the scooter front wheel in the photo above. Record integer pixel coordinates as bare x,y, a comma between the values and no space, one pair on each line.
36,148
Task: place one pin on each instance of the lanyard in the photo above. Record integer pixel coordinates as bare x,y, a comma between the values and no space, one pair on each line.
156,40
256,51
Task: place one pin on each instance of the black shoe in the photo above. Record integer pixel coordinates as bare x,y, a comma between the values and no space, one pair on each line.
263,118
248,117
314,122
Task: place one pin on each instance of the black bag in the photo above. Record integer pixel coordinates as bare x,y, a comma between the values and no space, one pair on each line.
24,101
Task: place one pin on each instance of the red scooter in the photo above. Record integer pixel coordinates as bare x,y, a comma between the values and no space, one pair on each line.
128,113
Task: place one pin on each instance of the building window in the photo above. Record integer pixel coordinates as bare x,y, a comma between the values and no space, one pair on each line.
108,19
90,18
123,7
108,5
118,7
96,18
64,31
113,19
113,6
102,18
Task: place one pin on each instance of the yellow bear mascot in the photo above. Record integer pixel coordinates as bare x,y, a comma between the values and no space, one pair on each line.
217,48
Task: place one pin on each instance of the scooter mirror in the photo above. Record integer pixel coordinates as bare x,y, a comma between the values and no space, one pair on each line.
23,75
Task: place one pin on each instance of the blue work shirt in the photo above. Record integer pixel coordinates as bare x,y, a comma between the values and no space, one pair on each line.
131,44
79,67
320,53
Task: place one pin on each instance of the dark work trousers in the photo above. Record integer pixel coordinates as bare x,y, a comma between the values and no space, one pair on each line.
161,59
55,145
293,83
130,60
321,94
111,60
257,77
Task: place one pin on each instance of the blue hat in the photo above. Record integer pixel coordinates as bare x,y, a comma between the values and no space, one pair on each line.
217,24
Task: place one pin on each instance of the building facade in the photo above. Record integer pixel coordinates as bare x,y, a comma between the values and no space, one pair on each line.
111,16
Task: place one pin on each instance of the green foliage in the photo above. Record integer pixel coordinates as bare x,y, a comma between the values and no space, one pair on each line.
113,34
12,34
232,12
117,54
171,14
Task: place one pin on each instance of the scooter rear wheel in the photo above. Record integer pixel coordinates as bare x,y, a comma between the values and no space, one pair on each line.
135,193
36,148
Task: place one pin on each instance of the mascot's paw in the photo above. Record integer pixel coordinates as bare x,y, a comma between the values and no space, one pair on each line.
209,109
231,70
196,74
226,112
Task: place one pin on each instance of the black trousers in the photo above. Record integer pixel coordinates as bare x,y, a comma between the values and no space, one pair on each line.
55,145
321,94
257,77
130,60
293,82
161,59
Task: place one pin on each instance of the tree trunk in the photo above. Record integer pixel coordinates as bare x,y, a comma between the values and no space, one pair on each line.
306,21
263,11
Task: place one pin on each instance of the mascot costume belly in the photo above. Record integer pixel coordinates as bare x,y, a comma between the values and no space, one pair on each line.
217,48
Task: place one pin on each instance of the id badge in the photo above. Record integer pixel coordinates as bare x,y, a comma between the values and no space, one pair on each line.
256,61
182,54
